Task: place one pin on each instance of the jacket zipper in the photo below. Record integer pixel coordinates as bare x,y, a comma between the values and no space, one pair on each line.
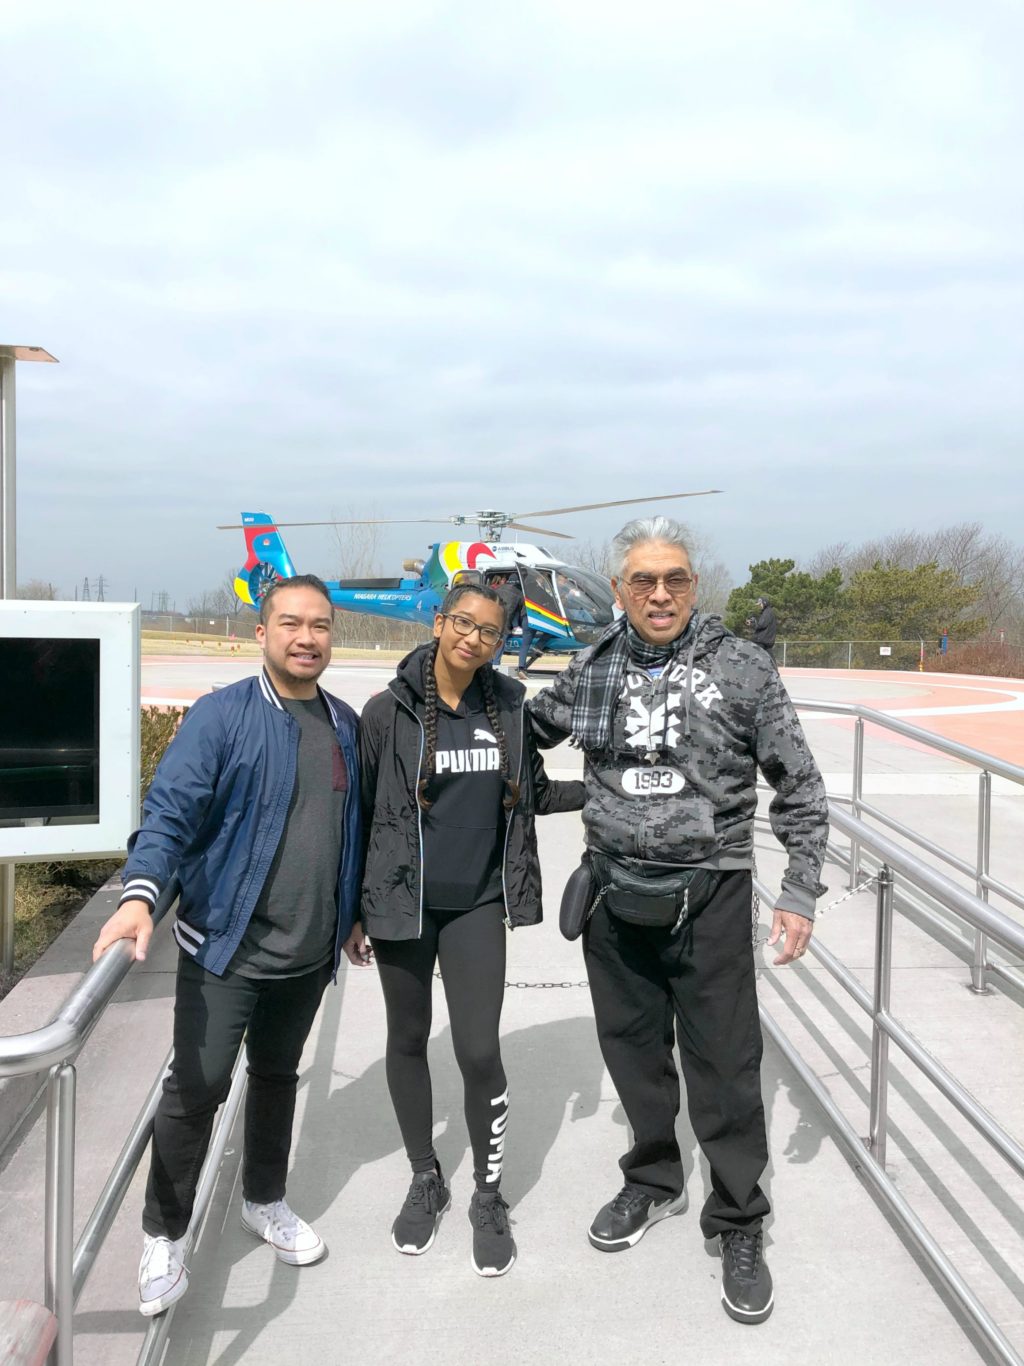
508,822
419,809
345,852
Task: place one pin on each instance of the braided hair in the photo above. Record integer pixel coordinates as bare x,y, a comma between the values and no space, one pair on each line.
452,598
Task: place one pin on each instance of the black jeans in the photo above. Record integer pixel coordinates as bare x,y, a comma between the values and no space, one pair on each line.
470,948
211,1014
698,985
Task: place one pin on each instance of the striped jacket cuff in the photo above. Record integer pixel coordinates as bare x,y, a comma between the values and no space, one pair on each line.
140,889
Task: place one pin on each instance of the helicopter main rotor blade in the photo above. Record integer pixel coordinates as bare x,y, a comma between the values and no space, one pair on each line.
544,531
617,503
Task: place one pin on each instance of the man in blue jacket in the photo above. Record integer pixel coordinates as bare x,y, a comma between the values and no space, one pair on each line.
255,806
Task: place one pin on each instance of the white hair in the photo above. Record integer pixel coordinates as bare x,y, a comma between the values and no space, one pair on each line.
642,530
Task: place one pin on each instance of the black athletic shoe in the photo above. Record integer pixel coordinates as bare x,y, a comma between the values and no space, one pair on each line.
746,1280
626,1219
494,1248
413,1231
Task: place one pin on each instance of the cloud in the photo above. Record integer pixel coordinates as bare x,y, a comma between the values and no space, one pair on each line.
425,257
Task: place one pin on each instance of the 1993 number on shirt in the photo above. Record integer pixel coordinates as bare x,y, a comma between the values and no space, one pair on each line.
643,782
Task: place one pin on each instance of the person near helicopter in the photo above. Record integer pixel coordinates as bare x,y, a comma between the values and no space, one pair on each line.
451,782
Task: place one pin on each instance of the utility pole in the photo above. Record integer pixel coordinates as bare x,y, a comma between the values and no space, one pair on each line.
86,593
9,356
101,584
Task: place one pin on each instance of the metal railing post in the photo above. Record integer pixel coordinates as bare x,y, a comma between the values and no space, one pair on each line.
60,1209
783,654
979,965
7,917
857,793
849,654
880,1005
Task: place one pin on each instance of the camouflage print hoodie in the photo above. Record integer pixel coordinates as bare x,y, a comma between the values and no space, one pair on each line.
678,781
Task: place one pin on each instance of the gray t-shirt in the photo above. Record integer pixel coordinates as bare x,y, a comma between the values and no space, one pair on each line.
293,923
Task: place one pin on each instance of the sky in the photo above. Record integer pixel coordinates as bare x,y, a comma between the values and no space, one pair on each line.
415,259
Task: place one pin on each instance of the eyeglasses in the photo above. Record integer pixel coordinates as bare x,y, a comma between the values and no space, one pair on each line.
642,585
465,626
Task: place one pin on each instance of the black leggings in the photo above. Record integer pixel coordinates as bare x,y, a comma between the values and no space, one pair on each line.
470,948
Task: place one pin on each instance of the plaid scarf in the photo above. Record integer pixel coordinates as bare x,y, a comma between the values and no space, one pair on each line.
602,676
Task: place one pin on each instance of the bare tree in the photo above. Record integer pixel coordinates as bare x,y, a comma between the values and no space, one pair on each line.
990,565
714,586
358,546
595,555
221,601
37,590
831,556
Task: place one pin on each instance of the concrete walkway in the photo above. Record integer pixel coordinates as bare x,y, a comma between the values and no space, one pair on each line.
848,1290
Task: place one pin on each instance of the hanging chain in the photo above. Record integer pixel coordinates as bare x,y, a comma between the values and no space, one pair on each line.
761,939
543,986
860,887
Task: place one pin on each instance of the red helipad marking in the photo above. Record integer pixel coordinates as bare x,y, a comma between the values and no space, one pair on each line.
1000,733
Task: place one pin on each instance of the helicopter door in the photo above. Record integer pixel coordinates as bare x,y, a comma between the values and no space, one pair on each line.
497,579
542,610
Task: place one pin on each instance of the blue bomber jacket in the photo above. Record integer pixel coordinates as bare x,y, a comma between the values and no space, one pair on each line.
216,811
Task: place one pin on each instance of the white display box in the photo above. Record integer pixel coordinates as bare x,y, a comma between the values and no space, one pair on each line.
103,808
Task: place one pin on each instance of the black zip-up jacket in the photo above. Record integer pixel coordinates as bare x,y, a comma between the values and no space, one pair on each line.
391,749
766,627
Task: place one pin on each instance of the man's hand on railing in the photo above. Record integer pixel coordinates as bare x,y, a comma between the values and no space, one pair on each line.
795,929
131,920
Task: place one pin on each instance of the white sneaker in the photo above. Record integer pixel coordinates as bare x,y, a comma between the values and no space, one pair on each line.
163,1276
291,1237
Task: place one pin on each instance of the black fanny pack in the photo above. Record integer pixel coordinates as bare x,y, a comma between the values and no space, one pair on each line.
657,895
580,900
642,892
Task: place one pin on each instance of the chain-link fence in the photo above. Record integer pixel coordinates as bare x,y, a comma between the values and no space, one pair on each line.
849,654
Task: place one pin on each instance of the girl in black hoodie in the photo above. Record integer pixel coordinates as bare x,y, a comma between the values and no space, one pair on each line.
450,785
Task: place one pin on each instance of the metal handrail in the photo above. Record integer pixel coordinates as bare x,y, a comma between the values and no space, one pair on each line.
982,918
54,1047
976,757
987,765
978,914
61,1040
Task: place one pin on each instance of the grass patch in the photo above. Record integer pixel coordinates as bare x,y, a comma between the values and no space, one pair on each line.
47,897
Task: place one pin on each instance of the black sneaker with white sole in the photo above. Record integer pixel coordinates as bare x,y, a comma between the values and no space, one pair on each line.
414,1229
624,1221
494,1248
746,1281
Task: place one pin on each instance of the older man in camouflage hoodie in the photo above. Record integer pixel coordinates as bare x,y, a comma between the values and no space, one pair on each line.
675,715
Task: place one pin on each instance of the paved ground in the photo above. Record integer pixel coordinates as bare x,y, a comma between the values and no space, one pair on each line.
848,1290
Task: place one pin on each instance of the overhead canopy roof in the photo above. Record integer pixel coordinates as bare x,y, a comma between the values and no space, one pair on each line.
26,353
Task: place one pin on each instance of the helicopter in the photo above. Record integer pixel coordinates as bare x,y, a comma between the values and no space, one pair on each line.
565,606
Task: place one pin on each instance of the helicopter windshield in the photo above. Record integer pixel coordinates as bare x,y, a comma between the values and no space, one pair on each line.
587,602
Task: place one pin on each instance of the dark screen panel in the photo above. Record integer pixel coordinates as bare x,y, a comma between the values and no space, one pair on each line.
49,729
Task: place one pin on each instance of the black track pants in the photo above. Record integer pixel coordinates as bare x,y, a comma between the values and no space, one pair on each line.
211,1015
648,984
470,948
